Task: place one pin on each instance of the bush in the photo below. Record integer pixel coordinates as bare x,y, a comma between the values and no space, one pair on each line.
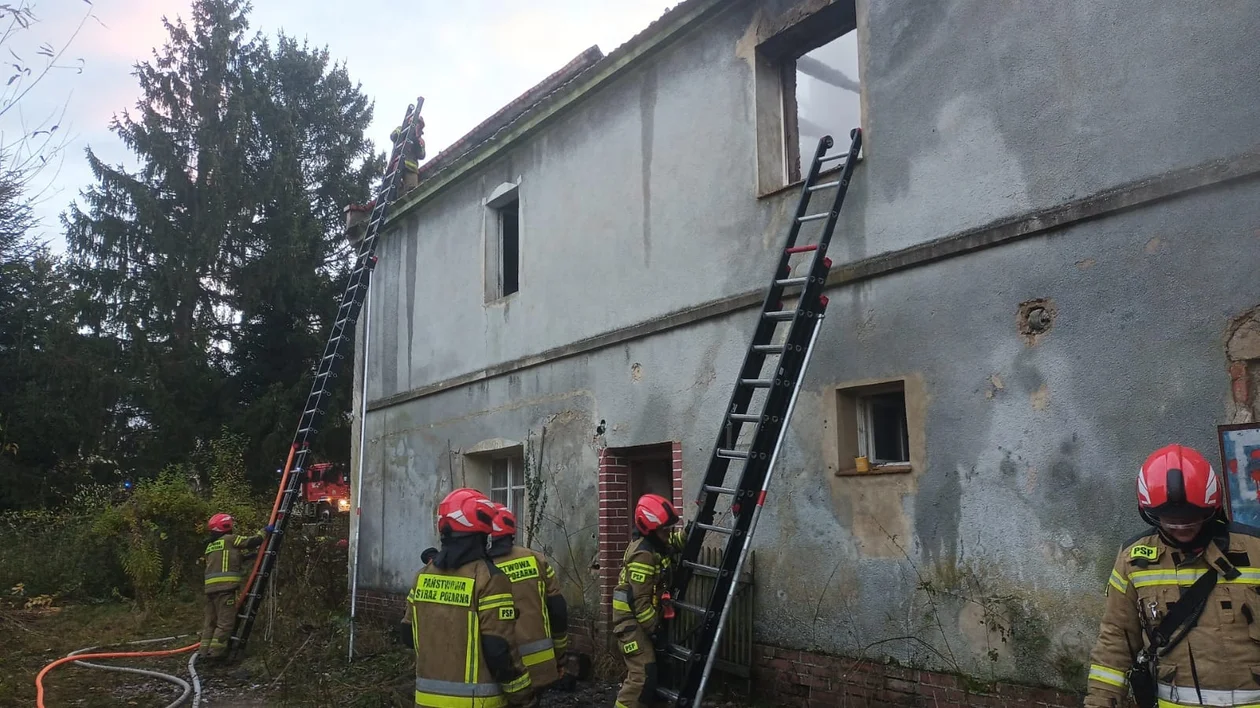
142,545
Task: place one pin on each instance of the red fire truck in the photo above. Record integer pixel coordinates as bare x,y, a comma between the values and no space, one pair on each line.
326,490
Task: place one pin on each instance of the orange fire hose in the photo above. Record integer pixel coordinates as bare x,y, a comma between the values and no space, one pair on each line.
275,507
39,678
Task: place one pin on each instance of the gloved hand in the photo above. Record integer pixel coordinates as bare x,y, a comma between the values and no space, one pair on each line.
677,539
269,528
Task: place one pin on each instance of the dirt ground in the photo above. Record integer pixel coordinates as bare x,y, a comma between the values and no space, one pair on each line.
301,665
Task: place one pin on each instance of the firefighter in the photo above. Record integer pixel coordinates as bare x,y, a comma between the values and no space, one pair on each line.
542,621
463,619
636,602
224,555
1209,648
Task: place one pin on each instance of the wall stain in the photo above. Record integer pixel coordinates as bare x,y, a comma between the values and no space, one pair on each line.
411,262
647,137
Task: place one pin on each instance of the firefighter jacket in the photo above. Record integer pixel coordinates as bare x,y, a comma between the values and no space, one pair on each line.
224,556
463,631
1223,648
541,613
645,571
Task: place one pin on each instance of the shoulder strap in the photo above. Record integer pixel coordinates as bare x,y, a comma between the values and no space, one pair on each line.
1184,611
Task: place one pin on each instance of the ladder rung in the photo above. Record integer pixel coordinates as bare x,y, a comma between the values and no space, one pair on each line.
830,158
814,217
757,383
732,454
702,567
691,608
678,651
717,529
788,282
744,418
768,348
803,249
825,185
779,315
667,693
720,490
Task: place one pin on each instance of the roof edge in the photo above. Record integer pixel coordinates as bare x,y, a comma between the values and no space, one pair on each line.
564,94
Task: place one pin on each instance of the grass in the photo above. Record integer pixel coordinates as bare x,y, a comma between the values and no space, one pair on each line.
296,656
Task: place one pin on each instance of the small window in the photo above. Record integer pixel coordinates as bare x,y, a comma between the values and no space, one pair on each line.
883,436
872,429
821,96
507,483
509,247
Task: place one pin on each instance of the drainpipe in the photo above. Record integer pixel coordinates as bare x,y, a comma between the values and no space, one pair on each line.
356,487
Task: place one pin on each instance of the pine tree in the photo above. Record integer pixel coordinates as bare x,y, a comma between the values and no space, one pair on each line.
216,263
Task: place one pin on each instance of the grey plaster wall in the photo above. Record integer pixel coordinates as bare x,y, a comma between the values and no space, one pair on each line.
993,552
642,201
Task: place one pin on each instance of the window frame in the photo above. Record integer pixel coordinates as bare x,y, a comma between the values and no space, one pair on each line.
515,472
849,430
504,197
779,165
866,426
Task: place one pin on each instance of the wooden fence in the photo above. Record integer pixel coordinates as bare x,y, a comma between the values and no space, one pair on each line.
735,651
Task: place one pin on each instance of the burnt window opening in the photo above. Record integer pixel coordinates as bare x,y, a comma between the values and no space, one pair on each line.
808,80
821,96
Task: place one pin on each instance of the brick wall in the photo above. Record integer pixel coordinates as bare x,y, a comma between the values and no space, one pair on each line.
379,606
614,520
614,513
797,678
678,487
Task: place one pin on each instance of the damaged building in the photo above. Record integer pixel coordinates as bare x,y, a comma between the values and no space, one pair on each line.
1050,237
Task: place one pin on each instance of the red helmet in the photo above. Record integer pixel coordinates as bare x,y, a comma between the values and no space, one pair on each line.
653,512
465,511
220,523
1177,485
504,522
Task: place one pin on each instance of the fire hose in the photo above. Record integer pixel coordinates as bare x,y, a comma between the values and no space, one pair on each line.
78,656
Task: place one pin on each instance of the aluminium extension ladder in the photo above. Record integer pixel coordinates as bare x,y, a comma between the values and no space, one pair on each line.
787,351
339,339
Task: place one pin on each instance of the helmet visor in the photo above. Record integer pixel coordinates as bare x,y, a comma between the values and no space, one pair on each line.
1180,517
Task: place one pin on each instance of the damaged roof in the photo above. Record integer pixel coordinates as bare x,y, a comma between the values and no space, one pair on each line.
584,72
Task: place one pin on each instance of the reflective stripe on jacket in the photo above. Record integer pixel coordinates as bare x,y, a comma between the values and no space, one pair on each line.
533,579
643,577
224,556
450,611
1148,576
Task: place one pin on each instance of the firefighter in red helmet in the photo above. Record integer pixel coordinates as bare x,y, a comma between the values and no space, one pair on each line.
463,618
224,557
542,622
1182,619
636,602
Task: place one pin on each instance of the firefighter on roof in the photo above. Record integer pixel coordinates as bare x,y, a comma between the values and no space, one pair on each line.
1189,586
463,618
636,601
542,621
224,573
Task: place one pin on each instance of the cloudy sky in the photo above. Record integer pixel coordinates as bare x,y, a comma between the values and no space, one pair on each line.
466,57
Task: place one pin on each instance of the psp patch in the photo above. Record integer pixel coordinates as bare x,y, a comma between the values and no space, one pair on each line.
1149,553
507,613
637,577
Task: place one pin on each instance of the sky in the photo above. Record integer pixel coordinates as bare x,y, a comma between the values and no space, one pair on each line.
466,57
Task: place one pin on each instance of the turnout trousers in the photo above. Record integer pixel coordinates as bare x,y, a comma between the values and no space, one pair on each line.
220,618
639,688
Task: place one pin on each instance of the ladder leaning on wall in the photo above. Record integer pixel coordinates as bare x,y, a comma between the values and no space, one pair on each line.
773,367
339,340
